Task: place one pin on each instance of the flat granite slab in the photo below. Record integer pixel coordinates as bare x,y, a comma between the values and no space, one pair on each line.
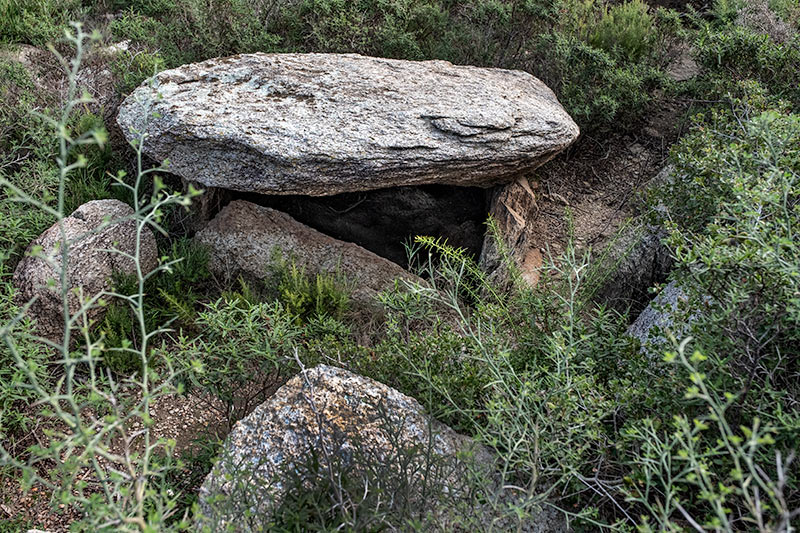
323,124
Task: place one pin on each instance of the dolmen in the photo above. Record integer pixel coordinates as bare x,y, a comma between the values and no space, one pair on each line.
326,124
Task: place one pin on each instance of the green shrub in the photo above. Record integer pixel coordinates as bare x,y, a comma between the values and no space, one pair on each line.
733,212
713,469
180,289
734,209
625,30
536,374
131,69
20,96
185,31
602,62
305,296
241,356
733,54
14,399
595,89
25,148
18,227
88,414
92,181
172,295
26,160
37,22
404,29
566,399
149,8
788,10
117,330
155,37
437,351
17,90
726,11
226,27
13,525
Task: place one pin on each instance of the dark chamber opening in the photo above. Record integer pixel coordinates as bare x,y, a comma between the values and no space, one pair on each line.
383,220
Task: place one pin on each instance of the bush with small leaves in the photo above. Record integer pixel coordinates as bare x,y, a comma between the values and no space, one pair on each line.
731,54
173,295
713,470
242,356
625,30
733,212
37,21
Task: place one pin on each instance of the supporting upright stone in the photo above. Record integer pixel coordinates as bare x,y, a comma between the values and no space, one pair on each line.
243,240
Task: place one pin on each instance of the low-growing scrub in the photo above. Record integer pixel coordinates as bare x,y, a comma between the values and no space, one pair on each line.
172,296
618,50
746,48
734,53
626,30
242,355
308,297
37,21
737,248
698,432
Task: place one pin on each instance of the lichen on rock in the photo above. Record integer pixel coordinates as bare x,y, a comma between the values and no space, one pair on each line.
324,124
93,232
331,414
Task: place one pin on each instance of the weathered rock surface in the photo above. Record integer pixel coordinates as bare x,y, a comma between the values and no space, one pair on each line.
90,265
633,262
243,237
666,313
511,207
323,124
637,258
327,411
346,421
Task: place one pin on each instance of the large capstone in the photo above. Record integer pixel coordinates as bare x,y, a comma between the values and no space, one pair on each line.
324,124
